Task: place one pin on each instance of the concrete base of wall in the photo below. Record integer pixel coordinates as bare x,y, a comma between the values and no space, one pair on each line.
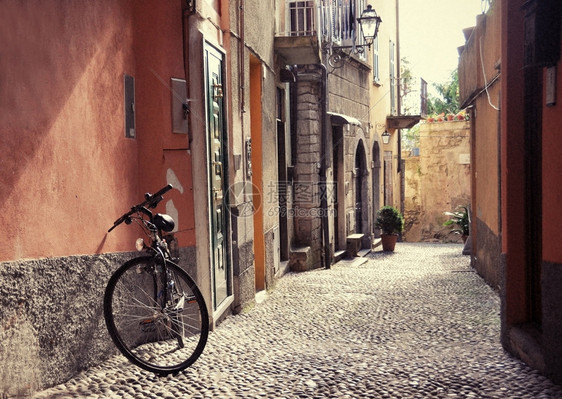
244,283
51,318
540,349
551,281
485,254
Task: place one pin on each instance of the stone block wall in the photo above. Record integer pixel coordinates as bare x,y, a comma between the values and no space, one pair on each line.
436,181
308,157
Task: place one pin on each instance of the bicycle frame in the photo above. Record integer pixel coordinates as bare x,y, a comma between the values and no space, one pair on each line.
151,304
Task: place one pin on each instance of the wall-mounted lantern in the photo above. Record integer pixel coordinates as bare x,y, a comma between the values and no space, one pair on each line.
370,22
385,137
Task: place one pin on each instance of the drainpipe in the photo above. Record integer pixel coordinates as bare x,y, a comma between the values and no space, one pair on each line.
399,110
327,255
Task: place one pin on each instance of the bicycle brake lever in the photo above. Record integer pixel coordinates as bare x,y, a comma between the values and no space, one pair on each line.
155,201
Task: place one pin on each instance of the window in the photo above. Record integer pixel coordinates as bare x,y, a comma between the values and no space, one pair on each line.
376,69
129,87
302,18
392,79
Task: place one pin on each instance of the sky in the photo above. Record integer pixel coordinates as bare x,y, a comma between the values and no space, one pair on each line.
431,31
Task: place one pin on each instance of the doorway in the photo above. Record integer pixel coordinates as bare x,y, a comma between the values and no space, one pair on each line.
218,179
257,170
360,187
282,177
338,188
376,181
388,182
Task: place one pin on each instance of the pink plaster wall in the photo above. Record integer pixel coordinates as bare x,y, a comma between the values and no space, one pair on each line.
66,170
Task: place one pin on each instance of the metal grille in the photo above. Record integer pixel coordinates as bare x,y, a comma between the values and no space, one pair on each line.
302,18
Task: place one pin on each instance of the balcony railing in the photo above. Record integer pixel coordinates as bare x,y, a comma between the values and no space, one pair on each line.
325,23
333,20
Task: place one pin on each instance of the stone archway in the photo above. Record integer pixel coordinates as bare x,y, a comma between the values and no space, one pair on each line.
376,181
361,190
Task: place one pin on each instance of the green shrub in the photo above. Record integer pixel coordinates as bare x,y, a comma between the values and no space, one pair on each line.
389,220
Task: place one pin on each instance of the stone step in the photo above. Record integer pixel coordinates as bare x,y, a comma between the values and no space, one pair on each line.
363,252
339,255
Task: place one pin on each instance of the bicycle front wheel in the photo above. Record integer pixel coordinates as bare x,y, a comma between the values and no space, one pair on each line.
156,315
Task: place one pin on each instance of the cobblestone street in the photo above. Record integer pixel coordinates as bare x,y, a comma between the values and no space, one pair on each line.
413,324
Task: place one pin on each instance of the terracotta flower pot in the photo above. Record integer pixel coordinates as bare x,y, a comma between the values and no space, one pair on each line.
389,242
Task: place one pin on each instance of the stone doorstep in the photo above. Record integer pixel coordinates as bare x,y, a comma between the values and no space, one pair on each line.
353,244
298,258
339,255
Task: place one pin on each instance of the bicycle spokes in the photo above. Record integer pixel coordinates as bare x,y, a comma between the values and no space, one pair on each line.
158,319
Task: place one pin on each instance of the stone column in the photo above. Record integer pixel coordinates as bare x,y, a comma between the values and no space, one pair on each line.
307,216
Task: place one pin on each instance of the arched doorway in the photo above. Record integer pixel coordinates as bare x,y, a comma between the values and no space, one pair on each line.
360,189
376,182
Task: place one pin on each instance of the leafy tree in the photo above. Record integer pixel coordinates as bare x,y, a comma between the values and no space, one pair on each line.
448,102
406,85
411,138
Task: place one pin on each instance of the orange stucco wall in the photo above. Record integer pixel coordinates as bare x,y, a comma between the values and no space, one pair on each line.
163,155
512,169
67,171
552,176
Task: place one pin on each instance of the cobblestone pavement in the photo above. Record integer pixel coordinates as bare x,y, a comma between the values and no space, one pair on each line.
413,324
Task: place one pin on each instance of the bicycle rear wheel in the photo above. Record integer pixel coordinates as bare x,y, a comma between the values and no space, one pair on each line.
156,315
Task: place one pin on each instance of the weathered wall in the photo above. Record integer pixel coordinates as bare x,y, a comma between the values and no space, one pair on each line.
551,278
348,89
483,48
52,319
306,201
60,143
380,108
437,181
68,171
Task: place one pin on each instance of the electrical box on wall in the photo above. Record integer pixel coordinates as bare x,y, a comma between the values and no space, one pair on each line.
180,105
249,157
129,88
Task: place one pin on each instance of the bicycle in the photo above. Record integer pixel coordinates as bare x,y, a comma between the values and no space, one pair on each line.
154,311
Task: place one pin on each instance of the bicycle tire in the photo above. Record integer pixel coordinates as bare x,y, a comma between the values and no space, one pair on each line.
164,338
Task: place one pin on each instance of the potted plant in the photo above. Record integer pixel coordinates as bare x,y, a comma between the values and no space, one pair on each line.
391,223
461,219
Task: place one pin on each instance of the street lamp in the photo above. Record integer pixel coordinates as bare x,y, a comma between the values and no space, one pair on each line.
385,137
369,21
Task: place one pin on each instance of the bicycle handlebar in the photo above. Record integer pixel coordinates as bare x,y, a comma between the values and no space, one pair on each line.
151,201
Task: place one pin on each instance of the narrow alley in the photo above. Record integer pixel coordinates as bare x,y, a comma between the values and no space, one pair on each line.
415,323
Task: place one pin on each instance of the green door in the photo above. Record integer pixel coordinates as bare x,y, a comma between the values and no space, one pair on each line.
216,166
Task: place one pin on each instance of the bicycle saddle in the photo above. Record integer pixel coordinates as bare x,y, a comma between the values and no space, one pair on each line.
164,222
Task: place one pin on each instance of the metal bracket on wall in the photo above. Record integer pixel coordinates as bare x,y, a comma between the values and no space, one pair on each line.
189,7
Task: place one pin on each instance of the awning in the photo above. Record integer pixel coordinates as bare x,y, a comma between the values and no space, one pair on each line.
340,119
403,121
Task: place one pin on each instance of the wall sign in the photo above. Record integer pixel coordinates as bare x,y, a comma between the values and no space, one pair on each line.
550,86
